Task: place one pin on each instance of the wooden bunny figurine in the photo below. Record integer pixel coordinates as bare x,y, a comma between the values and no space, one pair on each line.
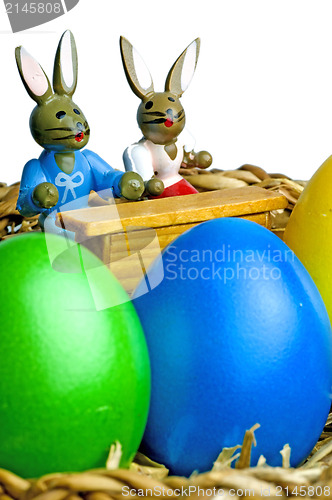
161,118
63,172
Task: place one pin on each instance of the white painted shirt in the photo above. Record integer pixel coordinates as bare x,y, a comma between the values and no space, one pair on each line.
149,159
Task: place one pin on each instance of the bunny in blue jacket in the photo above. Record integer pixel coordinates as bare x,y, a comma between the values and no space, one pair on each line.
64,174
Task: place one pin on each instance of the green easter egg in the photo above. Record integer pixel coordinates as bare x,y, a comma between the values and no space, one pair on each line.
74,367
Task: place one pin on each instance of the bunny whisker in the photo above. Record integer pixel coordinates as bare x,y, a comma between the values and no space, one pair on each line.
67,129
63,138
180,113
155,113
157,120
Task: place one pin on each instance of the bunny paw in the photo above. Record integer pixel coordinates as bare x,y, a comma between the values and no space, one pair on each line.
154,187
45,195
132,186
202,159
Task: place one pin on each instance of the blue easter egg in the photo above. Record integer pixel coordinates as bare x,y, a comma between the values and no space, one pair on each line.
237,334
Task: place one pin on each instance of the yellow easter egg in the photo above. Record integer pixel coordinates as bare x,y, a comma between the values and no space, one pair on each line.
309,231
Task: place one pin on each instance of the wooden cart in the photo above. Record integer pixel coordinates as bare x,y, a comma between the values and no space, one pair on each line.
127,237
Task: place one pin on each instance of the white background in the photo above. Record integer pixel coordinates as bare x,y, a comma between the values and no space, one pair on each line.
262,92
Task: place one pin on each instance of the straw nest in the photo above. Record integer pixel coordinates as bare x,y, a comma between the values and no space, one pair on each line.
249,175
231,476
12,222
147,479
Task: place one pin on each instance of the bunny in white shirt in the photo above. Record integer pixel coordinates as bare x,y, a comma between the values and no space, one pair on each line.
161,118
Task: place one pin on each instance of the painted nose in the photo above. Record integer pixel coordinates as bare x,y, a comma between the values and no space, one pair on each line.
80,126
169,113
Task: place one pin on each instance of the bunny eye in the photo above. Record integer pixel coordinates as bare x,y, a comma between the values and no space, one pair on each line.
171,99
77,111
149,105
60,114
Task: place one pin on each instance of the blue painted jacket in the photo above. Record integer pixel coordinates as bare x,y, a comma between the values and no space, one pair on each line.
90,173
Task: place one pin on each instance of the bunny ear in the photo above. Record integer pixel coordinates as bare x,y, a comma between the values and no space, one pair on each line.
182,71
65,65
136,71
33,76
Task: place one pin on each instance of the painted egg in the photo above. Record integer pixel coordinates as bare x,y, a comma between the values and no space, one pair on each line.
309,231
237,334
74,374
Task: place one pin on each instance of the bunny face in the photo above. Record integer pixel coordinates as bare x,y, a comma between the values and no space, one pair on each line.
59,124
160,115
56,123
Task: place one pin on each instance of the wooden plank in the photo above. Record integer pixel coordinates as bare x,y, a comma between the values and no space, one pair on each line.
138,240
115,249
173,211
263,219
110,248
279,232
